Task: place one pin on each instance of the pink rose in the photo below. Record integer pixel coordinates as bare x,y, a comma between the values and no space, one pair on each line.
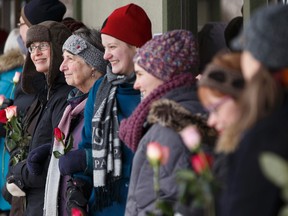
2,98
191,137
157,153
16,77
10,112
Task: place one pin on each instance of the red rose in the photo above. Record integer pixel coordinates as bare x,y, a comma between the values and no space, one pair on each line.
201,162
3,118
59,135
76,212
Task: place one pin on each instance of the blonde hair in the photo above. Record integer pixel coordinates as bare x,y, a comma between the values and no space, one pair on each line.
260,97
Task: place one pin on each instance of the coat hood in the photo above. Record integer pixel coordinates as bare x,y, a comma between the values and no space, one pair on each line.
10,60
169,113
56,34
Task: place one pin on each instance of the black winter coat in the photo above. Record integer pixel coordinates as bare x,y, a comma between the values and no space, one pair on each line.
50,114
248,191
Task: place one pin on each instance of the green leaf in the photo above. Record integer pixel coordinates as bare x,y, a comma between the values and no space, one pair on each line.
57,154
186,175
165,207
69,144
10,145
285,193
275,168
283,211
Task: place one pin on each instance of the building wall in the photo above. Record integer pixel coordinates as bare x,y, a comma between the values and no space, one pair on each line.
95,12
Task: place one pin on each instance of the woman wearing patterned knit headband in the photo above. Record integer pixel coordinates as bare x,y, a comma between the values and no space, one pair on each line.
83,64
164,74
110,100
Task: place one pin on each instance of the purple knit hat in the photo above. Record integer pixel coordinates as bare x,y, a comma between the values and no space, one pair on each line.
169,54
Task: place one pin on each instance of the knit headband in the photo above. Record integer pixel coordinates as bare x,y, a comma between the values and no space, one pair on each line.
223,79
91,55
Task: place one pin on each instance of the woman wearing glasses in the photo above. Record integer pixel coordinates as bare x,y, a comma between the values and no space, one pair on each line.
219,89
44,42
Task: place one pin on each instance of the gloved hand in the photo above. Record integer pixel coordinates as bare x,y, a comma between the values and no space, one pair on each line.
14,182
72,162
37,159
6,103
13,188
77,195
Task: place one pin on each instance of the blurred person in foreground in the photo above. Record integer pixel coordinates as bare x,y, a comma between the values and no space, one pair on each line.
263,122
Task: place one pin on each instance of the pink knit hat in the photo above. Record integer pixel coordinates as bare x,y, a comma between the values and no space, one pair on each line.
169,54
130,24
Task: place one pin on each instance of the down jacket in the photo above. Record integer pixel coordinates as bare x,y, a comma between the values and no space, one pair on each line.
164,130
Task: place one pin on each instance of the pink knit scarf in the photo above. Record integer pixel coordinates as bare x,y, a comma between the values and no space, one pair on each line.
131,129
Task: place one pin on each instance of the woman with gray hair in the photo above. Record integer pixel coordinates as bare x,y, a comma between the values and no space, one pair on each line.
83,64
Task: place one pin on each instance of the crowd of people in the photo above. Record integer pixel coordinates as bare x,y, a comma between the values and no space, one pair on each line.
92,101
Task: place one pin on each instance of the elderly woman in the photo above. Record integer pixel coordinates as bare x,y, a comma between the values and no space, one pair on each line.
83,64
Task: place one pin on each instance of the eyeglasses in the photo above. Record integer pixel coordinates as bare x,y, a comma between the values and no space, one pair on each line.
20,24
215,107
42,47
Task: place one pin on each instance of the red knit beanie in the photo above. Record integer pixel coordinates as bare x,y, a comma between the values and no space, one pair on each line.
130,24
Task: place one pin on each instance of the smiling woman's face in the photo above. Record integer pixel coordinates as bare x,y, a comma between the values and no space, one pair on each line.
77,73
41,56
223,109
119,54
145,82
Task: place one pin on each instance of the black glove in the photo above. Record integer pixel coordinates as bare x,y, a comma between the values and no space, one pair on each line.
77,195
38,159
14,182
6,103
72,162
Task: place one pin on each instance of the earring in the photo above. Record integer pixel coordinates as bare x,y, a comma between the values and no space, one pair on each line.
93,74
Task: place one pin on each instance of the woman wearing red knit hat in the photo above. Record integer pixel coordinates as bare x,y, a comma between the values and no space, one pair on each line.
110,100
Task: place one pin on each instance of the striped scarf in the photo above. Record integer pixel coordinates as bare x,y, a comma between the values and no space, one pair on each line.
106,146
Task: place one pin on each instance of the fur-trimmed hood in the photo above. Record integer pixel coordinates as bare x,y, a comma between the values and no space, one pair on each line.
10,60
169,113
